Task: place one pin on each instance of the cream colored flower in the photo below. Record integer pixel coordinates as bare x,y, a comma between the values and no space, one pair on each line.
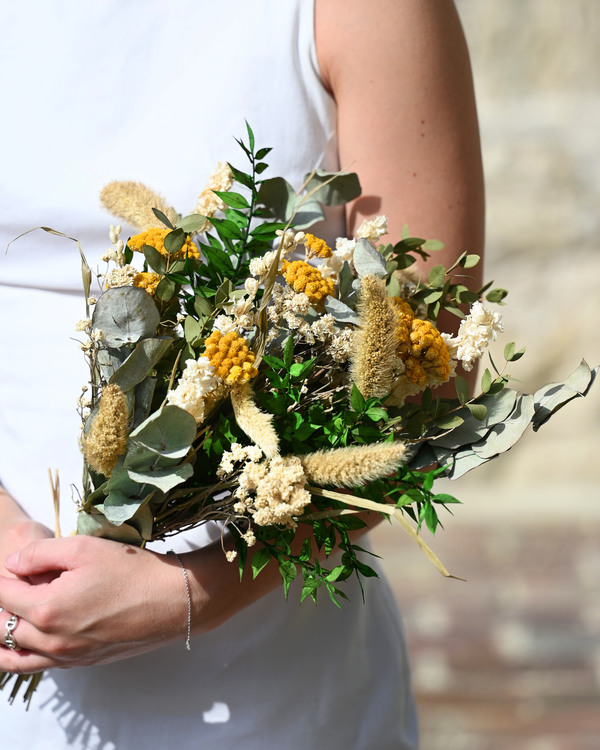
372,230
197,381
476,331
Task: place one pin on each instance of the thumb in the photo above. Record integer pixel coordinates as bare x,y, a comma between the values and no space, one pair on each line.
41,556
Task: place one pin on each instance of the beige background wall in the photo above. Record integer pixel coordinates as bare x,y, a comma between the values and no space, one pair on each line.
536,66
511,657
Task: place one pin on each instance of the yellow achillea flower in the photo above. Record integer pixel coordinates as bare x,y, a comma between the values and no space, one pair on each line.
316,246
230,356
156,238
303,277
147,280
421,347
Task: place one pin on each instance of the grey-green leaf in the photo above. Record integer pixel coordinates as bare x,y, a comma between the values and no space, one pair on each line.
367,260
163,479
554,396
340,311
125,315
140,362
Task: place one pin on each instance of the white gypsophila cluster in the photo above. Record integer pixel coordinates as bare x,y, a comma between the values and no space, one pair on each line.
343,253
259,267
197,381
290,239
273,492
251,286
476,331
242,311
122,276
342,345
224,324
237,454
84,325
374,229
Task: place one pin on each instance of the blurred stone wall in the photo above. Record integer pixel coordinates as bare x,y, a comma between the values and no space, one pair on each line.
536,66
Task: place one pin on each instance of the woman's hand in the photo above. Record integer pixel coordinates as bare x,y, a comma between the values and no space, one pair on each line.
83,600
17,535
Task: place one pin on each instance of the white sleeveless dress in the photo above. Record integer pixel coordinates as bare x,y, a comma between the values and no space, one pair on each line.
156,92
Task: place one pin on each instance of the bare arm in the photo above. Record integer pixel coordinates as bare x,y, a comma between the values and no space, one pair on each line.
407,122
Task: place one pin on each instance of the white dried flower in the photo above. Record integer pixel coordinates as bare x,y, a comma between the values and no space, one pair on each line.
197,381
84,324
251,286
231,554
122,276
476,331
224,324
92,301
374,229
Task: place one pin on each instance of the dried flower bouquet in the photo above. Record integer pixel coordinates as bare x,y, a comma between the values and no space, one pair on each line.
243,371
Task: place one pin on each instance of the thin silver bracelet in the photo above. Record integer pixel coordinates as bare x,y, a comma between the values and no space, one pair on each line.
188,644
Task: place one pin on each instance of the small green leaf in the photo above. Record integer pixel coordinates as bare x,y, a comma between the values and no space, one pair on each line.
437,276
496,295
509,351
479,411
162,218
174,241
449,422
462,389
357,400
191,223
469,261
235,200
486,380
260,559
288,352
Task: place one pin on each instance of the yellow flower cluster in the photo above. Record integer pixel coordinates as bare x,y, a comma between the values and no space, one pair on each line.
147,280
230,356
420,347
156,238
303,277
316,246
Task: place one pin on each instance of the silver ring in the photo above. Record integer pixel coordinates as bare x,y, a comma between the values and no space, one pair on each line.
9,639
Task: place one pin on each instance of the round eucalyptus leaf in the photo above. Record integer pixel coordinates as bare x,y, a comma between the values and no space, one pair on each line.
125,315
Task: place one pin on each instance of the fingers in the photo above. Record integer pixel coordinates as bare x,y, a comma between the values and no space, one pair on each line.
39,557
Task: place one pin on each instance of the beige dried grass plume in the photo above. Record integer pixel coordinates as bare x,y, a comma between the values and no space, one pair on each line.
375,366
353,466
133,202
107,436
255,423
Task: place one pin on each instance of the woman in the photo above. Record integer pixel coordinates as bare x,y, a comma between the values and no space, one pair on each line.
134,91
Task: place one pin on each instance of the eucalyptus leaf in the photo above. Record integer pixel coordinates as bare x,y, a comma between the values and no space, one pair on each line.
154,259
334,188
97,525
504,435
110,359
554,396
278,195
437,276
174,241
140,362
340,311
464,461
125,315
163,479
119,508
191,223
161,440
367,260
